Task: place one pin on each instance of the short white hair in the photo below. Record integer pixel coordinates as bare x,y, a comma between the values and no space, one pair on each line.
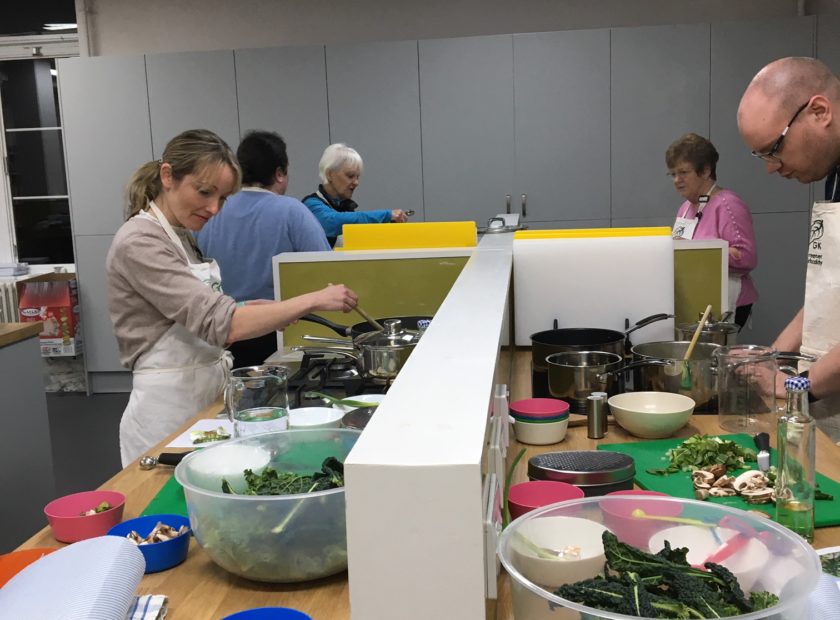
337,156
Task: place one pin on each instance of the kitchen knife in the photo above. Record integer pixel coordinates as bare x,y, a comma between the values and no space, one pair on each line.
762,442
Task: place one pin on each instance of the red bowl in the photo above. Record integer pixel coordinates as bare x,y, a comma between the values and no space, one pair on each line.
618,507
65,515
536,408
527,496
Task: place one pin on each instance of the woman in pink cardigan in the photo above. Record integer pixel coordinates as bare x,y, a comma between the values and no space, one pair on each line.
712,212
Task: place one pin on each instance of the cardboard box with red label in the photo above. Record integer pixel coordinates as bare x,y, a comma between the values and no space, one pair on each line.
56,304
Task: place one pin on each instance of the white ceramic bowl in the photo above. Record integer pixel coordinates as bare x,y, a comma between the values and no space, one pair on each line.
746,564
315,417
364,398
651,415
540,433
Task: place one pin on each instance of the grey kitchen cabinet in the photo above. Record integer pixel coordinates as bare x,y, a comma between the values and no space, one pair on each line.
466,107
192,90
561,100
739,50
107,136
284,89
374,96
101,353
782,240
660,91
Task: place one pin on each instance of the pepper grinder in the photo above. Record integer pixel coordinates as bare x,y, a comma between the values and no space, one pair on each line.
596,417
603,396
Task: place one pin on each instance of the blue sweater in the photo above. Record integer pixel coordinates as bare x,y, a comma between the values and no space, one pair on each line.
253,226
333,221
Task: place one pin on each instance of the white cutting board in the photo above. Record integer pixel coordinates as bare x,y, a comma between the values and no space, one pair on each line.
593,282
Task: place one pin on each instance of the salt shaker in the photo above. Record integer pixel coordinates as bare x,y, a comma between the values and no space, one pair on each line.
603,397
596,416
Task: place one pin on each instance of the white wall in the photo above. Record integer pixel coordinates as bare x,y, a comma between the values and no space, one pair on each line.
131,27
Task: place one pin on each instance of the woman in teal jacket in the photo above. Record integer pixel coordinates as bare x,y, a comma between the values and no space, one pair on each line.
340,169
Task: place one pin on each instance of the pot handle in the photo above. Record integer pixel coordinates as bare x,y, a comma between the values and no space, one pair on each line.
351,354
653,318
632,365
794,356
341,330
345,343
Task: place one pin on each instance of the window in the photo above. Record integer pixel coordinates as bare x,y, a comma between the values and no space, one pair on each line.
34,162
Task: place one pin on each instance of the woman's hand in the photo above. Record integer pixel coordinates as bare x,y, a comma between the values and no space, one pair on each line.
398,216
335,297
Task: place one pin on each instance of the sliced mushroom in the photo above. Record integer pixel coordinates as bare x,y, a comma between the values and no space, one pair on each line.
717,470
725,482
702,479
701,494
757,496
722,492
750,480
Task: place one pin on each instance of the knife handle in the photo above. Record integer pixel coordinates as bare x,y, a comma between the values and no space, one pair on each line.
171,458
762,442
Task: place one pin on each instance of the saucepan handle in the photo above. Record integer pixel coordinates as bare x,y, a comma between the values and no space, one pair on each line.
653,318
345,343
341,330
632,365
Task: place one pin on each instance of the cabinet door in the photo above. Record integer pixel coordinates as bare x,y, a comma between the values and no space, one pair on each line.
375,108
466,106
562,101
739,50
660,91
107,136
284,89
101,353
192,90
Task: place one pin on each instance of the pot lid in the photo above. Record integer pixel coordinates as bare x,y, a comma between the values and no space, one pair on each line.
582,467
721,326
393,336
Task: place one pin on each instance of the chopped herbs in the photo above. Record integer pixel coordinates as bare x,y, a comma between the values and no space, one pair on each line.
100,508
662,585
703,450
216,434
831,563
273,482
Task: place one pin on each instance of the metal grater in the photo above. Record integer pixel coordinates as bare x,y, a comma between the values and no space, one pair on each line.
582,467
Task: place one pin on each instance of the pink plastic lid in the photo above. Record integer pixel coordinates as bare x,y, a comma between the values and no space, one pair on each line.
539,407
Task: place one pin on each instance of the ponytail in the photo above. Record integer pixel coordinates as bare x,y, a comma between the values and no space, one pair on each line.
143,187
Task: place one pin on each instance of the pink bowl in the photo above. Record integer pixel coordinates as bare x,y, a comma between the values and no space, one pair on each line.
617,508
65,515
527,496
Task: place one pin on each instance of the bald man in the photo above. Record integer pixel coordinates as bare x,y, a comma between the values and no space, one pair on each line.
786,117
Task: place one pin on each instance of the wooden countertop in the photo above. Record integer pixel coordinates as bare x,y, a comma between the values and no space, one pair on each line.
198,589
11,333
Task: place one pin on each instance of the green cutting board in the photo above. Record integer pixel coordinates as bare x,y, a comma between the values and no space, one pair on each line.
169,500
651,455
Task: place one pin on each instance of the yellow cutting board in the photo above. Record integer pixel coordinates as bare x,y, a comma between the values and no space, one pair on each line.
409,236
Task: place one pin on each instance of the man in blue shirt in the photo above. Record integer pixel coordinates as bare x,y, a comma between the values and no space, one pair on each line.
256,224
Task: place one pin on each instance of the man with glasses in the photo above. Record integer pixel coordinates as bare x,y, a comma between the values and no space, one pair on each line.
786,117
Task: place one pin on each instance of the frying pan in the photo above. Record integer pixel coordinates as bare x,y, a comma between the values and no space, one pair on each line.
408,322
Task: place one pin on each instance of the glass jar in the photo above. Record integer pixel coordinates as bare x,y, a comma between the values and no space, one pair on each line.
746,388
257,400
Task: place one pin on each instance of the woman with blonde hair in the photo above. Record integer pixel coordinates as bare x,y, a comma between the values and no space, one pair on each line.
171,318
340,169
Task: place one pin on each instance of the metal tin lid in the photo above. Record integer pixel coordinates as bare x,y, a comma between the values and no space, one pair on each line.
393,336
582,467
711,326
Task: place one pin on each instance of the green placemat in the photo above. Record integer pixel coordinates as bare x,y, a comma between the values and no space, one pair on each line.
651,455
169,500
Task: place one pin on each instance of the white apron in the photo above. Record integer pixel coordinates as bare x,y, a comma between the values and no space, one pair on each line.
180,375
821,321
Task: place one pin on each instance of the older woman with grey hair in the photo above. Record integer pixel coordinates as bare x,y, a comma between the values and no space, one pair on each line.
340,169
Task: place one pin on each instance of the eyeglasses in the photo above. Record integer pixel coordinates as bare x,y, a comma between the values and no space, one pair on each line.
770,155
679,173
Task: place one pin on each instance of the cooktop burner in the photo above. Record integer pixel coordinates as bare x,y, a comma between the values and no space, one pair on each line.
330,375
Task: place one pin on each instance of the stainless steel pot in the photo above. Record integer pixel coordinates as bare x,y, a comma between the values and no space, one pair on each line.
574,375
669,377
380,354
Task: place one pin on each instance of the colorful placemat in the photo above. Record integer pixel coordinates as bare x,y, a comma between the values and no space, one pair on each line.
651,455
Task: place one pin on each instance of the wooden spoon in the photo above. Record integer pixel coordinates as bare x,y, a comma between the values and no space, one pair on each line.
685,382
376,324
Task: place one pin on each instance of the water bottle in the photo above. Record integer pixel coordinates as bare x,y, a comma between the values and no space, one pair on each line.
796,475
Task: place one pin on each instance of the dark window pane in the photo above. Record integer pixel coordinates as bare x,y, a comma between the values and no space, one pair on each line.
29,93
36,163
30,17
43,231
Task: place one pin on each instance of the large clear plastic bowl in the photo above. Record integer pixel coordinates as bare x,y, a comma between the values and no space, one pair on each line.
272,538
784,563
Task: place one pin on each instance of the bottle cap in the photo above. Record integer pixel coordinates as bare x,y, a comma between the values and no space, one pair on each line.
798,384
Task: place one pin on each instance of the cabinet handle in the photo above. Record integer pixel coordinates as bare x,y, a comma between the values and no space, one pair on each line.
524,205
507,203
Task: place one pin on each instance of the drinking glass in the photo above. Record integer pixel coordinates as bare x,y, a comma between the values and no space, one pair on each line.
257,400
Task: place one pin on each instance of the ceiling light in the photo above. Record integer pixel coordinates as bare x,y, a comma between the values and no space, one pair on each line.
66,26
